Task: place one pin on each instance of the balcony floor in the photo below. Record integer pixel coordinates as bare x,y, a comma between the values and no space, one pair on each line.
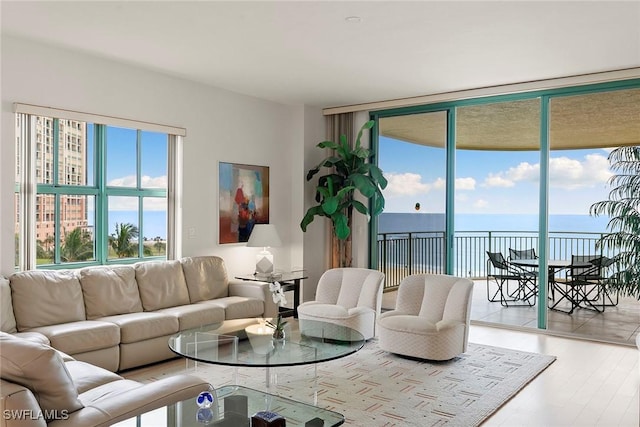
619,324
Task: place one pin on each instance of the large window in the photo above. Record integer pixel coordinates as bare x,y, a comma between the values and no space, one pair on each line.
528,168
90,193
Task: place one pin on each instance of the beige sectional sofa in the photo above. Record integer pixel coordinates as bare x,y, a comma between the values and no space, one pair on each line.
120,317
42,387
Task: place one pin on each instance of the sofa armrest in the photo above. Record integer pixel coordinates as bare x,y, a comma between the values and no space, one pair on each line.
257,290
18,406
135,401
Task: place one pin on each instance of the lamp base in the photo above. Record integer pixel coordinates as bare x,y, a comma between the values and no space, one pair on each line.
264,263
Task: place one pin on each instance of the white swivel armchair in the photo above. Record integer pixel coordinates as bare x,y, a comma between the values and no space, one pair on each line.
349,297
431,319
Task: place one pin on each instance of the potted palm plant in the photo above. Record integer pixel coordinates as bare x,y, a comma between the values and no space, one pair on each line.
349,172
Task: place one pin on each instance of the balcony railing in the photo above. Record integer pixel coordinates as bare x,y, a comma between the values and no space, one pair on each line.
405,253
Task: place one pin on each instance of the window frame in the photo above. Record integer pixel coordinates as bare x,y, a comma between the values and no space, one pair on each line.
27,189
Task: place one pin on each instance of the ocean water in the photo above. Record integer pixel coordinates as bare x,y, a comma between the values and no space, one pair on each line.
405,222
507,231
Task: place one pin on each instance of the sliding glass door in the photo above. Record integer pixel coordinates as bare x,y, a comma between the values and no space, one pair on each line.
516,175
497,205
411,231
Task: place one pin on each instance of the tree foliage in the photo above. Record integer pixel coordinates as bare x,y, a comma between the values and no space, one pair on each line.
77,246
624,223
122,240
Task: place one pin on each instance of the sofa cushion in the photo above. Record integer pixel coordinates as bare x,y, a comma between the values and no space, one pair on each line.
45,297
110,290
41,369
136,327
238,307
161,284
80,337
86,376
206,277
7,320
194,315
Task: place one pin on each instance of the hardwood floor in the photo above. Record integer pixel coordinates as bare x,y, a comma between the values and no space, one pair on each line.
590,384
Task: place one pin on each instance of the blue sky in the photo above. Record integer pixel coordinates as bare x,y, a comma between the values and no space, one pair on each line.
492,182
121,171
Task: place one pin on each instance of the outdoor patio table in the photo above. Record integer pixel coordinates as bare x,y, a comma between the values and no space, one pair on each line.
553,265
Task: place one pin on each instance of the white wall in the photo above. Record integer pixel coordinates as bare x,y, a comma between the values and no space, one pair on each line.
221,126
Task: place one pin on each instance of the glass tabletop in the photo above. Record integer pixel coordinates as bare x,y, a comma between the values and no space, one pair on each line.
248,342
284,276
234,406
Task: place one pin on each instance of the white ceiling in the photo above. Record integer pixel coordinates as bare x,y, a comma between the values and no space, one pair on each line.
307,53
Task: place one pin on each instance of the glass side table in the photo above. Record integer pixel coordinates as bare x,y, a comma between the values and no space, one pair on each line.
289,281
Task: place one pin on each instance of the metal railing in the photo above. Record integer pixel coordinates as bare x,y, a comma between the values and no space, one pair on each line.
405,253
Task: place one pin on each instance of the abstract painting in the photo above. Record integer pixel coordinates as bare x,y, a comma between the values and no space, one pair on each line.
244,200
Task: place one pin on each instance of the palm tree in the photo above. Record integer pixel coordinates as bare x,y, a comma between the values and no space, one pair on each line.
159,245
624,224
120,241
77,246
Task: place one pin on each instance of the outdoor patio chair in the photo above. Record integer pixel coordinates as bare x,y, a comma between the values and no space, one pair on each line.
605,282
502,273
585,285
522,253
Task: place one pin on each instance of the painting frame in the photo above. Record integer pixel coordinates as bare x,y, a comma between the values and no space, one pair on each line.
243,200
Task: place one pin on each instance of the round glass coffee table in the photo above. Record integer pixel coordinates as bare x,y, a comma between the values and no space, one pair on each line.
248,343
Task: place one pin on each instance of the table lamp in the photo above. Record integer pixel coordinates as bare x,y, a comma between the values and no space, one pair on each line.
264,236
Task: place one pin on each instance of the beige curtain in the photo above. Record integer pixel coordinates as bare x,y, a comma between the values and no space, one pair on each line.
336,125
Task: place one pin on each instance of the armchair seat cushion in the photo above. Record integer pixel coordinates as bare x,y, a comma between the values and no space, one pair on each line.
323,311
410,324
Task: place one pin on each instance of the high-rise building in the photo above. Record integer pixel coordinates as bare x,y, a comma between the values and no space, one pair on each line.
71,158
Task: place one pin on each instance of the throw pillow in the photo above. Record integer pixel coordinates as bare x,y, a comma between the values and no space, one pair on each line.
39,368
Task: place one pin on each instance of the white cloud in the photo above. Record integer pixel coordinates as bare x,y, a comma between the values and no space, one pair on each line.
147,181
564,172
570,174
497,180
122,203
465,183
480,204
439,184
405,184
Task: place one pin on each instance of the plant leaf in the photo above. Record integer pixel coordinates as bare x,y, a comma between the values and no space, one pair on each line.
363,184
367,125
310,215
377,175
327,144
360,207
330,205
340,224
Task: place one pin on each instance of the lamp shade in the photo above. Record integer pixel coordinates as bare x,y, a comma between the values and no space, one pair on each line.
264,235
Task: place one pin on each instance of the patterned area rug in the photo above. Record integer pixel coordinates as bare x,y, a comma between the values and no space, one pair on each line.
375,388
